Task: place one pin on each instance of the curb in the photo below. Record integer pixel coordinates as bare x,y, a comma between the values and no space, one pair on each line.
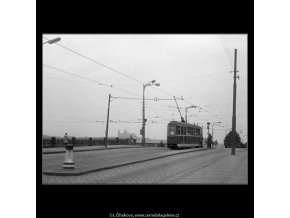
52,173
58,152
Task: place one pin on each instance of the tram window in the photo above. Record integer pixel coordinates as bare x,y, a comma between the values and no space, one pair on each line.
178,130
190,131
197,131
183,130
171,130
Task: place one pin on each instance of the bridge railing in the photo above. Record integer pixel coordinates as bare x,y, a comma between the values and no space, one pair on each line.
79,142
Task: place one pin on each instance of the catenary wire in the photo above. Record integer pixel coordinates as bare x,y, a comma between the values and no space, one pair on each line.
85,78
103,65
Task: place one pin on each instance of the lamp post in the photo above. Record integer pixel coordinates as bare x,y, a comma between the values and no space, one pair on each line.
152,83
208,123
193,106
52,41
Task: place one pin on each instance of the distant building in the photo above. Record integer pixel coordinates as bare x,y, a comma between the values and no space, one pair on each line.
127,135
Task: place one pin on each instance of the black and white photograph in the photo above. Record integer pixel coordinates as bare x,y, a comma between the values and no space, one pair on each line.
145,109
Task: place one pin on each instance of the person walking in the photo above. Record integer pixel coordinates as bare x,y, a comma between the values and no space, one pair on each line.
201,142
209,140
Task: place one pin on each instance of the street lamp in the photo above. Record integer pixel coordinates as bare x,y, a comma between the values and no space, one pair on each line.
193,106
53,41
152,83
208,123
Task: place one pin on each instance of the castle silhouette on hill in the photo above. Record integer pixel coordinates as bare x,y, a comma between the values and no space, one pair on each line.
127,134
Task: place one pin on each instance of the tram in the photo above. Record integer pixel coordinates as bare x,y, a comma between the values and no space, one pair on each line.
183,135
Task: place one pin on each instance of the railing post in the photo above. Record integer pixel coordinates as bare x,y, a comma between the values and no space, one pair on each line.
73,141
53,142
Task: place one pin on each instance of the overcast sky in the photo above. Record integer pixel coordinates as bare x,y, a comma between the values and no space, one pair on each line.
196,67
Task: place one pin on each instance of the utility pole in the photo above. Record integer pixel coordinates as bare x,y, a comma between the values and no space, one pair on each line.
107,128
234,106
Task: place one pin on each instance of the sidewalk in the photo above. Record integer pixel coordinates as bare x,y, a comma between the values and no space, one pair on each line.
86,148
94,161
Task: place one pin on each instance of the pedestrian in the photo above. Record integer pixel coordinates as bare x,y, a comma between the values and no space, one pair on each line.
209,140
65,139
201,140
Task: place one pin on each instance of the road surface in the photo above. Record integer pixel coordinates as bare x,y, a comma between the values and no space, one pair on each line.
214,166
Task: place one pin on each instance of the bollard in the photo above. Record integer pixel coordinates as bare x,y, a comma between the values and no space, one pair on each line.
68,162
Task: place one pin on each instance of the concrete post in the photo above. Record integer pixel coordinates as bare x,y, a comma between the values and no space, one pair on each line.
68,162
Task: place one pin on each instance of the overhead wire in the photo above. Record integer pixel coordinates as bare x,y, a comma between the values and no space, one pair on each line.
103,65
226,51
88,79
132,98
230,54
192,77
130,109
75,52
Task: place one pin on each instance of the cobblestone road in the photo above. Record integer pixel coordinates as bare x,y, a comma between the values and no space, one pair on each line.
216,166
92,159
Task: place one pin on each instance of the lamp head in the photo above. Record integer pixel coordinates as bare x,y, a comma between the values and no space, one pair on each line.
54,40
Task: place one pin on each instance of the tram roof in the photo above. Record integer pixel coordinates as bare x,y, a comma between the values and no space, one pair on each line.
176,123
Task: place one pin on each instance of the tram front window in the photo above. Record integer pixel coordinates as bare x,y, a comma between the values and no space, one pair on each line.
171,130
